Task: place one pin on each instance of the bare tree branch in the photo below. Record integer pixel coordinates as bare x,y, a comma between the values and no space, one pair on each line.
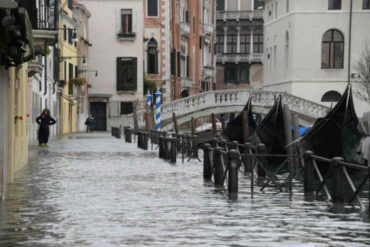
362,87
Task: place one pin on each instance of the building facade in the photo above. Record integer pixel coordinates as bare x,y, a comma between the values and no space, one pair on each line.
16,49
239,44
68,68
42,70
192,47
307,48
81,16
116,30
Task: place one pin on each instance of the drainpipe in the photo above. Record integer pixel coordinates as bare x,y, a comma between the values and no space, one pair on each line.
350,41
45,72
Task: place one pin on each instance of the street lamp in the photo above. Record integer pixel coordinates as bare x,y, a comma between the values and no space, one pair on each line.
87,70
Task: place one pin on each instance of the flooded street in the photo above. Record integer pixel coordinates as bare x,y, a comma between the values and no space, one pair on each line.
94,190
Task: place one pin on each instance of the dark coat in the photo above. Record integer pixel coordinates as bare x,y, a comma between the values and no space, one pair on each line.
45,121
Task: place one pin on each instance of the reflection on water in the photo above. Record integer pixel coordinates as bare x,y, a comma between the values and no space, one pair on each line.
99,191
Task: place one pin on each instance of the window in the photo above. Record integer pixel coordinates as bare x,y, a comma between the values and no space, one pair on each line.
232,41
152,61
220,5
331,96
366,4
126,21
220,38
152,7
70,6
126,74
335,4
76,71
127,108
245,41
65,32
258,41
70,71
332,50
236,73
70,34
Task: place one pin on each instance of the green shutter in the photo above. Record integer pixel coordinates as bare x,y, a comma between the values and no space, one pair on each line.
134,81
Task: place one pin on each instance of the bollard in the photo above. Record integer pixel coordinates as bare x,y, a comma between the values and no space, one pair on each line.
207,166
218,175
195,147
261,149
160,146
233,164
309,172
165,148
247,159
173,150
338,178
129,135
145,140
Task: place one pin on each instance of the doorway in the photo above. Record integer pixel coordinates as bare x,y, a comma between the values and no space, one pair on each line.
99,111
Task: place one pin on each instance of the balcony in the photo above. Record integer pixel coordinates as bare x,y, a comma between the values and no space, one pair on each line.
186,82
239,15
239,58
208,72
208,29
185,29
43,20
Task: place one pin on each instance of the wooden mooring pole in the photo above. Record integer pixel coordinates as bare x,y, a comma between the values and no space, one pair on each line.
218,174
207,166
338,178
214,124
223,123
289,140
174,119
232,183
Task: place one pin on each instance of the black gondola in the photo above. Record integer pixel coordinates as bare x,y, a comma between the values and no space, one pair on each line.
271,132
234,129
335,135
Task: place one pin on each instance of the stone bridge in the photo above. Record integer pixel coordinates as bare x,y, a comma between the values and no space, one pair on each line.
233,101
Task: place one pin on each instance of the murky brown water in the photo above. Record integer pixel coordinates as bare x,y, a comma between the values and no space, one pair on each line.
99,191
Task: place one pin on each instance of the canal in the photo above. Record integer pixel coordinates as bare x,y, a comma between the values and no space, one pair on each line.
94,190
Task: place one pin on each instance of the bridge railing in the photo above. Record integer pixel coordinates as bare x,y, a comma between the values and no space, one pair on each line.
239,98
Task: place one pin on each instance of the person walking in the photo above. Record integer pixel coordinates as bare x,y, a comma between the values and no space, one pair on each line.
44,120
90,123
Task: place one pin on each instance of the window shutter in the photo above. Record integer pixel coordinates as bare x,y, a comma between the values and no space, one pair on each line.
187,67
118,21
119,75
133,21
134,80
178,64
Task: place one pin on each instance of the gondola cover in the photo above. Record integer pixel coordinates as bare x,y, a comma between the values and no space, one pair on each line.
234,129
335,135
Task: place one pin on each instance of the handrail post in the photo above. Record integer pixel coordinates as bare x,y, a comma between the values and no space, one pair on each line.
233,164
218,175
195,147
261,149
207,166
337,183
173,150
246,159
309,172
145,140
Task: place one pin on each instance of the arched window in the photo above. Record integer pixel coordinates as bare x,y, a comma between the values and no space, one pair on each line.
331,96
332,50
152,62
232,43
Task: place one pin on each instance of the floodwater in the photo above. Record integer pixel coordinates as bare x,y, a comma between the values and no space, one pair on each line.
94,190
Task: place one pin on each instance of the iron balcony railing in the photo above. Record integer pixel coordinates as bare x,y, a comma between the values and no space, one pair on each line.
44,16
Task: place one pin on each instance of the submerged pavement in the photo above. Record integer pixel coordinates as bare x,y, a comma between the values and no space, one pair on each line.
95,190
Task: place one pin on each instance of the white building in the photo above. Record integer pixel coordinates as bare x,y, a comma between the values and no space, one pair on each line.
116,29
307,46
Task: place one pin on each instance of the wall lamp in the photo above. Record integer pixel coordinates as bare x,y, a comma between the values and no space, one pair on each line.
87,70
